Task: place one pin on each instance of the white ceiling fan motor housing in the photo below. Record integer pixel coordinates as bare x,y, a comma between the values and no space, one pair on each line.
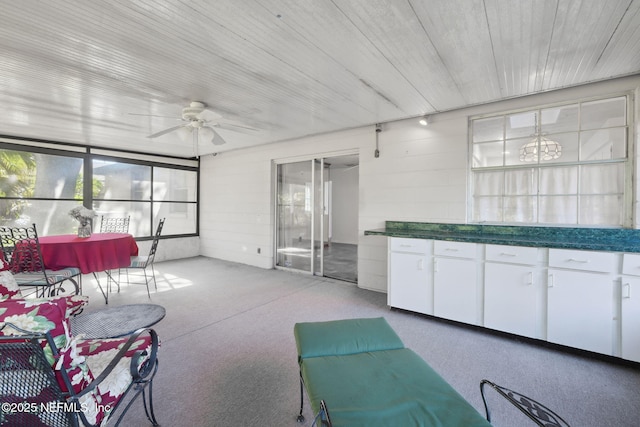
191,112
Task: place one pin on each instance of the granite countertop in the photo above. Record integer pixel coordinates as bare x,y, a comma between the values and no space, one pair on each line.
587,238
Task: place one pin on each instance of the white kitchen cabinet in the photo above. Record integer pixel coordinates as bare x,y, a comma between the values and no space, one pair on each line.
512,289
630,308
410,275
455,287
580,299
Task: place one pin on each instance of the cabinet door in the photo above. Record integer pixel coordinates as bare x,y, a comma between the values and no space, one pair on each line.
455,289
511,299
631,318
580,310
409,285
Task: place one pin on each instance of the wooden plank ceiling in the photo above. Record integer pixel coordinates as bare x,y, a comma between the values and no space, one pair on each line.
74,71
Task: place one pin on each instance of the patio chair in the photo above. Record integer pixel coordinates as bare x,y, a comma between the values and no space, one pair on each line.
142,262
50,378
114,224
535,411
21,248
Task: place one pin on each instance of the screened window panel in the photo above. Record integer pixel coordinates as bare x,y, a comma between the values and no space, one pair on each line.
488,154
559,119
514,151
487,209
50,217
600,209
559,181
603,144
489,183
556,162
520,125
139,213
520,209
174,185
604,113
121,181
490,129
569,144
181,218
603,179
26,177
520,182
558,209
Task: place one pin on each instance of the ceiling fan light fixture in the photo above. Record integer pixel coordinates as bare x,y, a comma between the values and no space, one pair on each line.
185,134
206,134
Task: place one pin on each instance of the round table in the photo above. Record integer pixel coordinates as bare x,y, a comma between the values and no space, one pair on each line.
118,321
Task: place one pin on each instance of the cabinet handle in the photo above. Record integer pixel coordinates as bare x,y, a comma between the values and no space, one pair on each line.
581,261
550,284
626,286
451,249
405,246
507,254
530,274
421,264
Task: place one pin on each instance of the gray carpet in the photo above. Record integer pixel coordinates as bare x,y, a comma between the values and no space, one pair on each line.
228,355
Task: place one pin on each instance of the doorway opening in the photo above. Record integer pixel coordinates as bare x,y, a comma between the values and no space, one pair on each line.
317,216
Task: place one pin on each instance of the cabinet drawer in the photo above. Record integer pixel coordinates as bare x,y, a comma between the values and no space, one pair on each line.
512,254
454,249
582,260
400,244
631,264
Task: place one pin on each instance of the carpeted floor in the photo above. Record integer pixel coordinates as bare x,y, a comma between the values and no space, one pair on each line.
228,355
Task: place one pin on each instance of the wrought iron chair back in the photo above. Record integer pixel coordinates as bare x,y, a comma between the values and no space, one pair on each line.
30,386
144,261
114,225
21,249
535,411
27,374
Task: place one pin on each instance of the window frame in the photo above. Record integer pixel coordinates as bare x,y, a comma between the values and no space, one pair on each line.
89,153
628,163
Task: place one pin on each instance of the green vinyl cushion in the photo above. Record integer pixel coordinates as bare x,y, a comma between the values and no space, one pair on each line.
385,388
342,337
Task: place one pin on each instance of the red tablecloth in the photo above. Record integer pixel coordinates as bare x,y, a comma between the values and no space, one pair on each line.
100,252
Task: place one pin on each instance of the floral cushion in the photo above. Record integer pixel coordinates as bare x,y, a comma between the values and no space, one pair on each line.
8,286
98,353
83,360
38,316
9,289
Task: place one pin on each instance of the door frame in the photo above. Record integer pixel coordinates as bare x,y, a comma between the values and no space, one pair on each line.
311,158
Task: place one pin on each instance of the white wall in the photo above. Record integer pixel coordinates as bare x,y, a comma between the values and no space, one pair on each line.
236,194
182,247
421,175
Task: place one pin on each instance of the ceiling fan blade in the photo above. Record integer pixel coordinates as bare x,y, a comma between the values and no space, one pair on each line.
217,139
209,116
236,127
171,129
153,115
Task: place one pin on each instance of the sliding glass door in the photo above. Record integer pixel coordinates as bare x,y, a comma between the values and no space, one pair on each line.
294,215
300,215
309,236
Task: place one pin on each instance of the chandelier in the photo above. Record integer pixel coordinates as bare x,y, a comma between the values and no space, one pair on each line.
542,148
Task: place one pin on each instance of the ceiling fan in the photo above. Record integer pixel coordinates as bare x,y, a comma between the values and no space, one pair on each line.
202,123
